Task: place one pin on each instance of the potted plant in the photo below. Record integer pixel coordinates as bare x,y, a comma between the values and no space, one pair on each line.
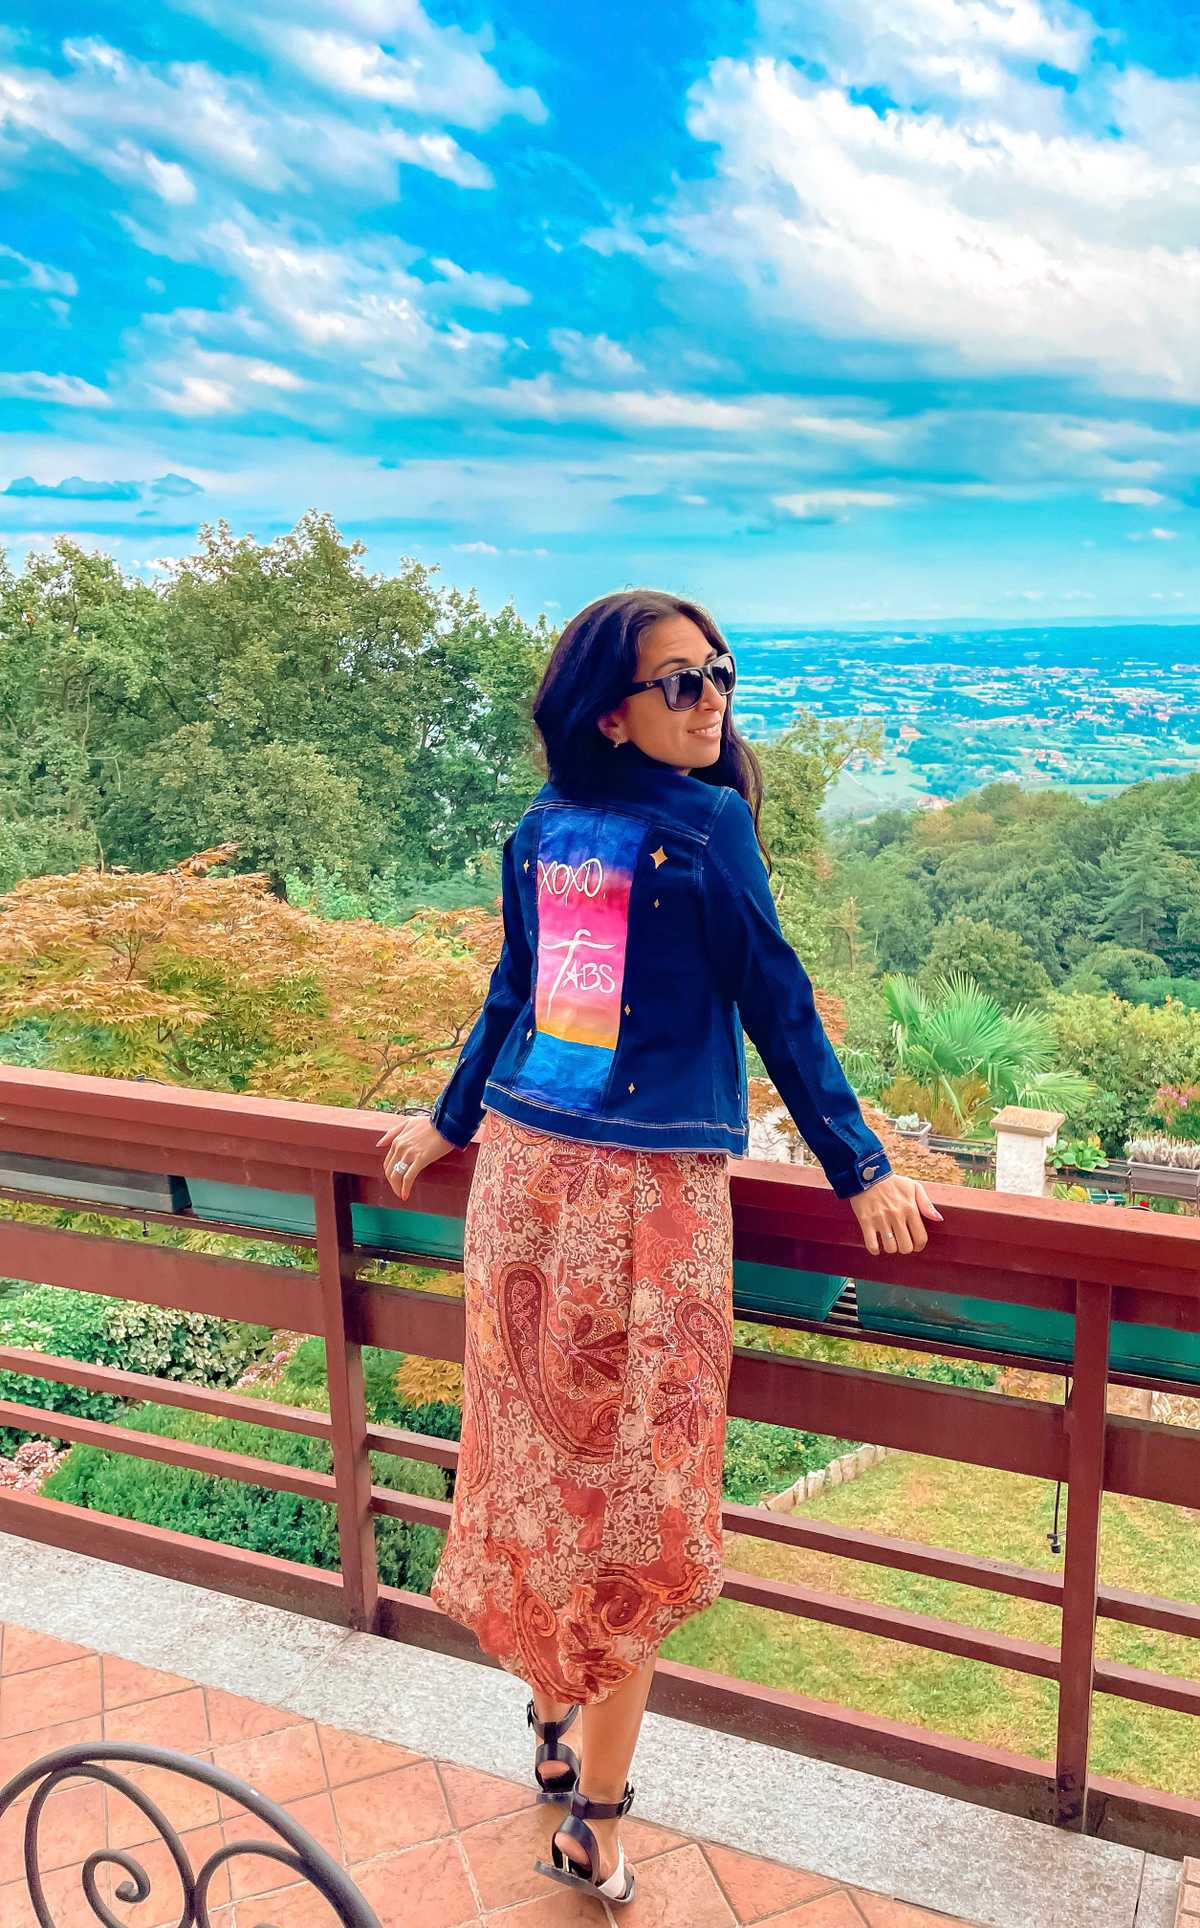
910,1125
1164,1167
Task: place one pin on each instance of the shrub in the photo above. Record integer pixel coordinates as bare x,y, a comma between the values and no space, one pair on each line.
953,1372
112,1332
761,1458
281,1524
302,1383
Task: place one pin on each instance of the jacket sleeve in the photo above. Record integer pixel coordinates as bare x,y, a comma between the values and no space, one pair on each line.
457,1113
761,973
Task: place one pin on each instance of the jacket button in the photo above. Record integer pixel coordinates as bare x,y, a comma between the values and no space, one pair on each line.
631,1087
626,1010
656,903
529,1034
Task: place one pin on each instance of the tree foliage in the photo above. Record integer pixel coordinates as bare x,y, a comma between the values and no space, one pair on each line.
276,696
208,980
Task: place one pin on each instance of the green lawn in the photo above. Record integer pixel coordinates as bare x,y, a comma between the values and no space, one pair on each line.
1146,1546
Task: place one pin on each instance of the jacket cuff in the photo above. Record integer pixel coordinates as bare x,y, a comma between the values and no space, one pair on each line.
452,1129
865,1172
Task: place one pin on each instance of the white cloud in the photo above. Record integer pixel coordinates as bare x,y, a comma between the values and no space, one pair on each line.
1134,498
541,398
139,122
365,331
70,390
166,179
38,275
590,358
824,504
213,383
849,429
477,290
489,549
985,223
923,50
441,70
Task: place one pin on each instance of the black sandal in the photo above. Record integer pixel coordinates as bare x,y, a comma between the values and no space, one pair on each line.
621,1883
562,1786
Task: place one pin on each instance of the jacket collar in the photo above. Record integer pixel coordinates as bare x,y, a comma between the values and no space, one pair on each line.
627,771
630,769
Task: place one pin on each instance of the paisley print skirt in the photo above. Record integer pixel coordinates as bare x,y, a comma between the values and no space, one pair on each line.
586,1521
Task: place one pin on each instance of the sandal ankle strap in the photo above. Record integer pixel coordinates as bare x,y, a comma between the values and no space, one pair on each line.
590,1810
549,1730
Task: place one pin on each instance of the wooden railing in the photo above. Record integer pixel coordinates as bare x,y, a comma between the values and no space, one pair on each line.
1099,1263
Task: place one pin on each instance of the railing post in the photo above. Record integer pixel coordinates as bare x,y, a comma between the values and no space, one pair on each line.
1086,1423
347,1400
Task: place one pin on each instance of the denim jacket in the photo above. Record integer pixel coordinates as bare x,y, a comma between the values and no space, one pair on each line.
640,937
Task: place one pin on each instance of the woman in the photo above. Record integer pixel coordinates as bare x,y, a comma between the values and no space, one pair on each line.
608,1068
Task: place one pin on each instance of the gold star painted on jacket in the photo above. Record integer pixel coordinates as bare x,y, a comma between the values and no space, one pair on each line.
659,856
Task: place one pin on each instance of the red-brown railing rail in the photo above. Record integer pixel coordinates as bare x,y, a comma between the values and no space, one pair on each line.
1099,1263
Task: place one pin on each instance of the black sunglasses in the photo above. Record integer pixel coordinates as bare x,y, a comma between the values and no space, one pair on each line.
683,688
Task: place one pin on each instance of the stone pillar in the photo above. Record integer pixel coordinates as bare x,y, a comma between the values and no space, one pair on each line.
1023,1137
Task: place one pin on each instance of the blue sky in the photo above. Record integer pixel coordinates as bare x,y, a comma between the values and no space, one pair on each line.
818,310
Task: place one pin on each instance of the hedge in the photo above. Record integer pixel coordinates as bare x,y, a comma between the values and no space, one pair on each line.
254,1517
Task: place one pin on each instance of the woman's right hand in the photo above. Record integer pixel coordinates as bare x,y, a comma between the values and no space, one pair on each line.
412,1143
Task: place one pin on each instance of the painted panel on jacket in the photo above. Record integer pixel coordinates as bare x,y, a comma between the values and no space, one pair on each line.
585,863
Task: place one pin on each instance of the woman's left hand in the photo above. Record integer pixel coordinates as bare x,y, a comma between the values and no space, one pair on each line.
891,1212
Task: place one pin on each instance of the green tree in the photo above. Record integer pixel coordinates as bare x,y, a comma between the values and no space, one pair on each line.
1127,1051
897,921
276,696
1000,962
798,767
1112,967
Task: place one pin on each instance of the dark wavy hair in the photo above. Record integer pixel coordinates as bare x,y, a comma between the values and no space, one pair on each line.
593,663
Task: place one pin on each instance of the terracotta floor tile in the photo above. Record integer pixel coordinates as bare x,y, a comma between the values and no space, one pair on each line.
68,1905
678,1890
352,1757
47,1696
23,1650
425,1887
185,1803
501,1854
255,1874
172,1720
22,1750
831,1911
125,1682
881,1912
391,1811
644,1839
285,1766
756,1888
71,1826
300,1906
230,1718
473,1796
573,1910
164,1903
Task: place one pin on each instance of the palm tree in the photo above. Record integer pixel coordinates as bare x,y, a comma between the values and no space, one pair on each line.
959,1053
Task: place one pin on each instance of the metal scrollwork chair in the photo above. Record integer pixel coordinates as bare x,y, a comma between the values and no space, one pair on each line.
292,1846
